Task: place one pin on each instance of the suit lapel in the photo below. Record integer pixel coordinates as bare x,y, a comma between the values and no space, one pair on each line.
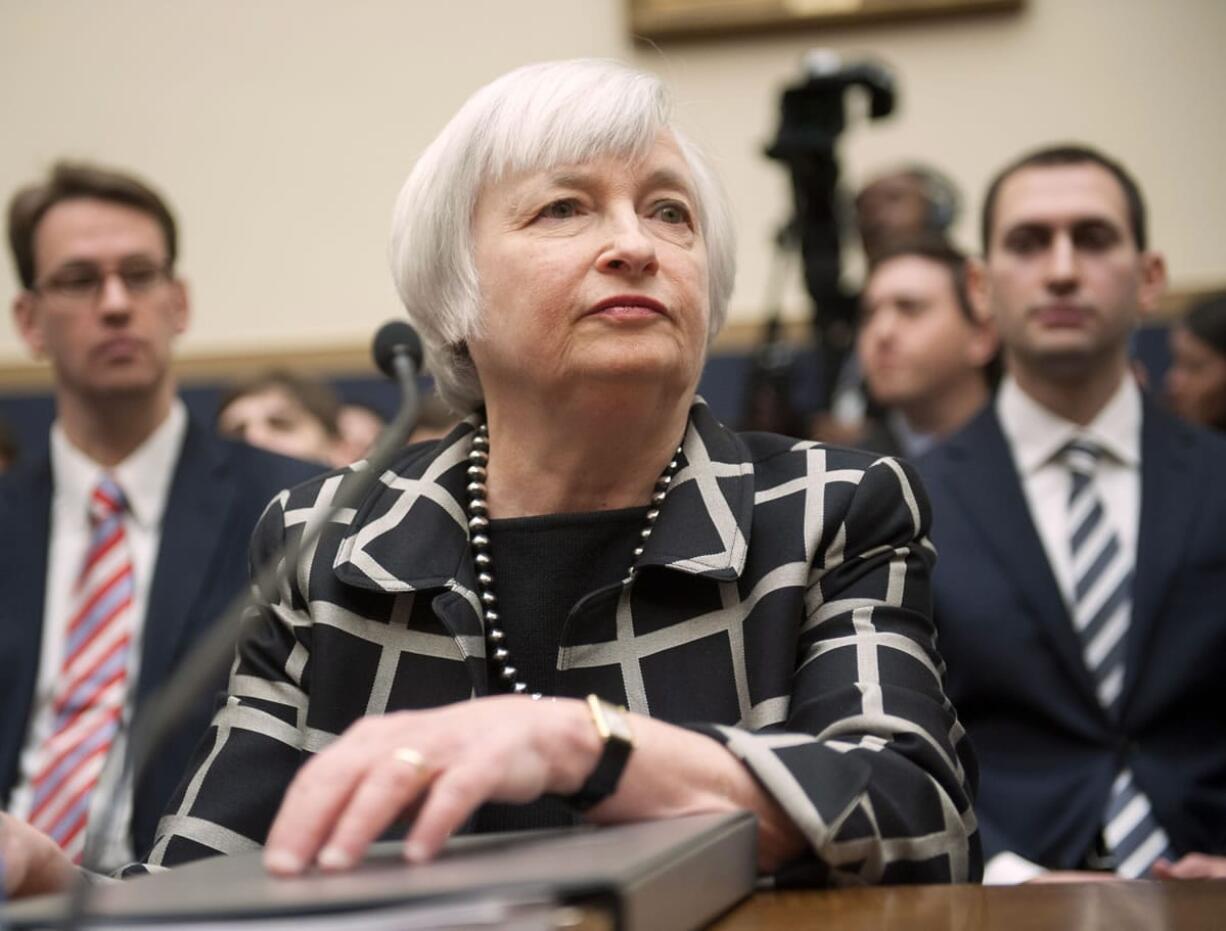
197,511
1168,509
25,513
983,479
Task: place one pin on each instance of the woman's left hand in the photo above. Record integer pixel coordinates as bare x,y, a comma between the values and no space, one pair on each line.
445,762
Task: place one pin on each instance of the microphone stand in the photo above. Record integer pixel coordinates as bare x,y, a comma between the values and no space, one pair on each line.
158,715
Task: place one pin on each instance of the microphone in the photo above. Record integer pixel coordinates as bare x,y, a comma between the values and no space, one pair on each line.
396,338
397,351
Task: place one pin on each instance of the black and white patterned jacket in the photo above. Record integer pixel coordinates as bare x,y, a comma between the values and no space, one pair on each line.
782,607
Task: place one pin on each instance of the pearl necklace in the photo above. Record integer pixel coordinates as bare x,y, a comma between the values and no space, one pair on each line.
478,525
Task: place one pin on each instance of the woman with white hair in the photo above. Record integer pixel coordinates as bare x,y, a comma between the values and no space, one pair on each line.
457,649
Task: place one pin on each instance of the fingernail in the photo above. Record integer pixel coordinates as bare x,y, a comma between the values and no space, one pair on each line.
334,858
281,861
415,852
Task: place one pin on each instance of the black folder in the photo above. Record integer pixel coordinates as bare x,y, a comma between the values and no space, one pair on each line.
674,874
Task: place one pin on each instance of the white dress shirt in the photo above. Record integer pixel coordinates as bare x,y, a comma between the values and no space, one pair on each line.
145,478
1036,437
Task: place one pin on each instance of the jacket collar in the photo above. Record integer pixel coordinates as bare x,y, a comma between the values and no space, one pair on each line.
411,531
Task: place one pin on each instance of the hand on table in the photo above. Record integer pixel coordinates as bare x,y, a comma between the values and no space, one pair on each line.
1191,866
441,764
33,862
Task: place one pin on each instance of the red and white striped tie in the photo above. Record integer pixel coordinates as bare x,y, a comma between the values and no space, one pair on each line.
89,697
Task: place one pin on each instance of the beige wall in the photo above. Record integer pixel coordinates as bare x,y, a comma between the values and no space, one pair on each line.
281,129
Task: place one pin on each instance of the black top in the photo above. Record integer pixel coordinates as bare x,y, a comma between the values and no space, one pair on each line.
543,566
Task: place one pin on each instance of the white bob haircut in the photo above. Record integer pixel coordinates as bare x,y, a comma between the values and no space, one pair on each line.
531,119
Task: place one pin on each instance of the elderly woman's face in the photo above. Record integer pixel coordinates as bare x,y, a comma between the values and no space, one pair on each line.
592,271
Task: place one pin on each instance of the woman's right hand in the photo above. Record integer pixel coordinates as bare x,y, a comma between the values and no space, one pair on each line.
33,863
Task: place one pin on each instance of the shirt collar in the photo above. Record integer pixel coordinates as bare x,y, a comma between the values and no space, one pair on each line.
1037,435
912,442
144,476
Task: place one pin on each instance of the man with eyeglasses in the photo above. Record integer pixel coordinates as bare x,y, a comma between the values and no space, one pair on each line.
125,540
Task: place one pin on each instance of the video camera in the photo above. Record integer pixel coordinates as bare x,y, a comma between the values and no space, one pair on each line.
813,117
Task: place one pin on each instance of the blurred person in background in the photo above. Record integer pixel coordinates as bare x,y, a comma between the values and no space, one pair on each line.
929,361
287,414
359,425
902,204
1196,381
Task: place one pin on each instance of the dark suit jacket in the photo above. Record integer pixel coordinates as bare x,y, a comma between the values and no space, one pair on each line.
219,491
1047,751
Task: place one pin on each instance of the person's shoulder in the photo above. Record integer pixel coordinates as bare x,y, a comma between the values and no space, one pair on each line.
204,448
771,453
408,463
264,467
975,435
27,473
1167,439
1166,426
872,496
1213,443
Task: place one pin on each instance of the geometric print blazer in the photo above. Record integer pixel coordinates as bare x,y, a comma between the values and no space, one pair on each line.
781,607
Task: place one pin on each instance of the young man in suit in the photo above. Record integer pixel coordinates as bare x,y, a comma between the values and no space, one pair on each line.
125,541
1078,593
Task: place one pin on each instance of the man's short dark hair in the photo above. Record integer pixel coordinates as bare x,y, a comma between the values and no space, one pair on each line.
79,181
315,397
939,250
935,249
1058,156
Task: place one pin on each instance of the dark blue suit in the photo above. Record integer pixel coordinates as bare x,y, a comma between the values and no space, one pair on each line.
220,489
1047,751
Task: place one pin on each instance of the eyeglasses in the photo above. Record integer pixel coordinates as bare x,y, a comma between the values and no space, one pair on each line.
82,283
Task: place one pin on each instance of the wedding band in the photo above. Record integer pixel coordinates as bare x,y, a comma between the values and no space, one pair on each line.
411,757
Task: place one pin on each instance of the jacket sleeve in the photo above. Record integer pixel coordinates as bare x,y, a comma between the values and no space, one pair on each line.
256,740
871,763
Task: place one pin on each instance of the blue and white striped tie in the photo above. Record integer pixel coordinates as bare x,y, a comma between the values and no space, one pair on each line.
1102,610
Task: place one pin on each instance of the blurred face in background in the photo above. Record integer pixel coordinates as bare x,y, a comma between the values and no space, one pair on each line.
891,208
1196,380
272,419
359,428
915,342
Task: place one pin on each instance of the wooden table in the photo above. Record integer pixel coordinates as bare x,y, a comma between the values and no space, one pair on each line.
1112,906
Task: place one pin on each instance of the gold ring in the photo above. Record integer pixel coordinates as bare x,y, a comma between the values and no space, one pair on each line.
410,756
